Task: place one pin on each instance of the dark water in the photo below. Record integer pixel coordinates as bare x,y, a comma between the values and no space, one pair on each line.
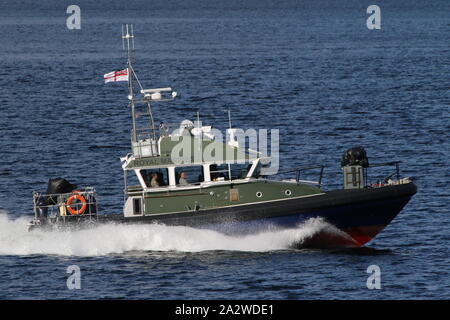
312,70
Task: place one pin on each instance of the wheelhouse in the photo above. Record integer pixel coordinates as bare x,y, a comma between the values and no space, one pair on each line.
157,179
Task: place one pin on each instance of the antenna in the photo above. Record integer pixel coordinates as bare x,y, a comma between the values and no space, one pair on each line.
132,37
129,38
128,35
123,39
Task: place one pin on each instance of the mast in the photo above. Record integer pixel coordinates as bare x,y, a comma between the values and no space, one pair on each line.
143,139
128,36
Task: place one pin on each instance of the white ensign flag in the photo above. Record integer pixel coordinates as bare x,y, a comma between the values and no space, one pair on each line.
121,75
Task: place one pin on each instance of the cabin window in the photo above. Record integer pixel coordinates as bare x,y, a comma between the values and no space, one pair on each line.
137,206
219,172
190,175
132,181
240,171
155,178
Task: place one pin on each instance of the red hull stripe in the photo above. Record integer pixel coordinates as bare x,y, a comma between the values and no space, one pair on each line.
362,235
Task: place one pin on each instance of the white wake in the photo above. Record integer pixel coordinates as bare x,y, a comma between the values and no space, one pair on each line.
119,238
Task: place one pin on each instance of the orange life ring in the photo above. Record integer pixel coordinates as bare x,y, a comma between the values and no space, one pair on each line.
79,197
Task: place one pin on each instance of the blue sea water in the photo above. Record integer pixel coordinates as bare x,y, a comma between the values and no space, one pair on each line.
311,69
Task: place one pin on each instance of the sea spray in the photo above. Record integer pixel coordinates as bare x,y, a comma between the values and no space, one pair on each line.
119,238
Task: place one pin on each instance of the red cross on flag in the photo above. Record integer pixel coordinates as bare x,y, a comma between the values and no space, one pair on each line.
114,76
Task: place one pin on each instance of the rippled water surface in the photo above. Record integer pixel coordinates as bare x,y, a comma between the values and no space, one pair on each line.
310,69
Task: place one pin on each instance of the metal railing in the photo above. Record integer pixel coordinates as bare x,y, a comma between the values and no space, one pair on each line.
146,143
298,170
64,206
396,173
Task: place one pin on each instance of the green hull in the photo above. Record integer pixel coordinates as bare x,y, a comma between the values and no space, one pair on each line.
219,196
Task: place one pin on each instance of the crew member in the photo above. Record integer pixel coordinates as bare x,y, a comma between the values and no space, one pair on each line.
182,180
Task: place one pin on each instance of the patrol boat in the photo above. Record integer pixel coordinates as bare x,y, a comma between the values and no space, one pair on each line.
186,176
